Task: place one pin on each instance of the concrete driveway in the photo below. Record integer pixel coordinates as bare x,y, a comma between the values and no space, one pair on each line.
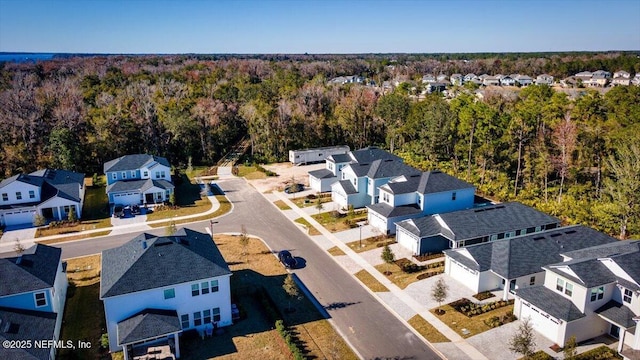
25,236
127,225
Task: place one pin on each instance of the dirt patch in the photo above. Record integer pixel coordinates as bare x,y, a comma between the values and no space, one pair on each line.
286,174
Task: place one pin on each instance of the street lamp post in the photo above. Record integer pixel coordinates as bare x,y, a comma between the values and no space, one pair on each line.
360,227
211,222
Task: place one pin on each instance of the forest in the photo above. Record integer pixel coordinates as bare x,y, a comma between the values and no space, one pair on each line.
575,158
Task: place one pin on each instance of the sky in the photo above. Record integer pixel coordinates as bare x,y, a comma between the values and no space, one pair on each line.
319,26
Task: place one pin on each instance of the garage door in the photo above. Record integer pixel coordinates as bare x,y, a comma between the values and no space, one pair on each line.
464,275
540,321
19,217
407,241
126,199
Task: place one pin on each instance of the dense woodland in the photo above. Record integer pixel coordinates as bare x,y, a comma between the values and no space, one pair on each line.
578,159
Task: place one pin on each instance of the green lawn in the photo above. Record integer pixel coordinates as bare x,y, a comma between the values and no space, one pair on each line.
475,325
427,330
312,230
371,243
401,278
225,207
335,222
369,281
282,205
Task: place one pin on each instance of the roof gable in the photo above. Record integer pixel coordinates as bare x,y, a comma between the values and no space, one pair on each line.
35,270
133,162
183,257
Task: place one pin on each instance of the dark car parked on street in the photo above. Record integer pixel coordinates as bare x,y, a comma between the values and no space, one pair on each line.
287,259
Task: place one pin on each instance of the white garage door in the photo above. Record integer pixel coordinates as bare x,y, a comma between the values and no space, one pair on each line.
464,275
540,321
126,199
19,217
407,241
377,221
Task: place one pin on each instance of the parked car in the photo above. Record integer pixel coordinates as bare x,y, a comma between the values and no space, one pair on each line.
126,212
287,259
117,211
294,188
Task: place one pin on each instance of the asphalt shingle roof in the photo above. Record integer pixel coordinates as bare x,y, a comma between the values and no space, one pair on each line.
386,168
138,185
26,325
321,174
588,272
604,250
630,263
371,153
550,302
347,186
149,323
617,313
167,260
61,183
424,226
133,162
389,211
339,158
37,270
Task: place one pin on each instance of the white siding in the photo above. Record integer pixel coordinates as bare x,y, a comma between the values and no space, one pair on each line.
407,240
465,276
22,188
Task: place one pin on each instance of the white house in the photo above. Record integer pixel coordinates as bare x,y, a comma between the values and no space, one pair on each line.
49,193
138,179
360,181
523,80
516,262
419,194
507,81
153,288
306,156
456,79
472,226
592,292
544,79
32,296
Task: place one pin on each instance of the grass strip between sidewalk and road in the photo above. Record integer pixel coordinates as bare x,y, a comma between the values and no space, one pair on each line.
371,282
336,251
225,207
427,330
312,231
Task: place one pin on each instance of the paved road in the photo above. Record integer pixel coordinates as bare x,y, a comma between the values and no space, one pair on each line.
371,329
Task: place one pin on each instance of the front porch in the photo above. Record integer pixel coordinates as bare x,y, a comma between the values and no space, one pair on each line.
150,334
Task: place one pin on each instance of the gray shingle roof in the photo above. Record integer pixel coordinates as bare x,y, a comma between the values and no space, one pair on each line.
149,323
386,168
138,185
371,153
389,211
61,183
525,255
424,226
26,325
321,174
339,158
588,272
630,263
436,181
485,221
37,270
133,162
494,219
604,250
617,313
550,302
183,257
347,186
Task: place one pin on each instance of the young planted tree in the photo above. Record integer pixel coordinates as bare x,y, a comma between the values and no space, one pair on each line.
291,288
439,293
319,205
244,240
170,229
388,257
570,348
522,341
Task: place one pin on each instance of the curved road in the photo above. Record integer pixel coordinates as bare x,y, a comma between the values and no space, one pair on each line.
369,327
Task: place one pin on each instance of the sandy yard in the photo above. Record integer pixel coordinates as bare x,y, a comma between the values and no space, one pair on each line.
285,171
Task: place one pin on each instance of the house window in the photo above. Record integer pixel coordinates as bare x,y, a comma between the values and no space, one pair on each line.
532,281
124,174
568,290
162,174
385,197
493,237
133,174
169,293
216,314
207,316
114,176
214,286
205,287
195,290
18,195
627,296
343,176
32,194
197,318
560,285
145,173
5,197
597,293
184,320
453,196
157,174
41,299
538,228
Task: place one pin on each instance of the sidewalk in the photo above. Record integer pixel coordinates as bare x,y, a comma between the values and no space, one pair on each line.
405,301
7,242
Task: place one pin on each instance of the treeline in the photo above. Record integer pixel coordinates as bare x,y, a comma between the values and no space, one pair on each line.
571,158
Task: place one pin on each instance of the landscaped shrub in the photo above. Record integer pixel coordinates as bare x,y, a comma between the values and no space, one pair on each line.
430,274
483,295
407,266
428,256
540,355
599,353
469,308
290,340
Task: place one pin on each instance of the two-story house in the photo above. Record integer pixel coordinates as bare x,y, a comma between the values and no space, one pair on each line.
49,193
138,179
32,296
418,194
523,80
516,262
456,229
592,292
456,79
360,182
507,81
155,287
544,79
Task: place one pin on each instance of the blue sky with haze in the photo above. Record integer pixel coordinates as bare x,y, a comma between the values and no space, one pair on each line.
329,26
